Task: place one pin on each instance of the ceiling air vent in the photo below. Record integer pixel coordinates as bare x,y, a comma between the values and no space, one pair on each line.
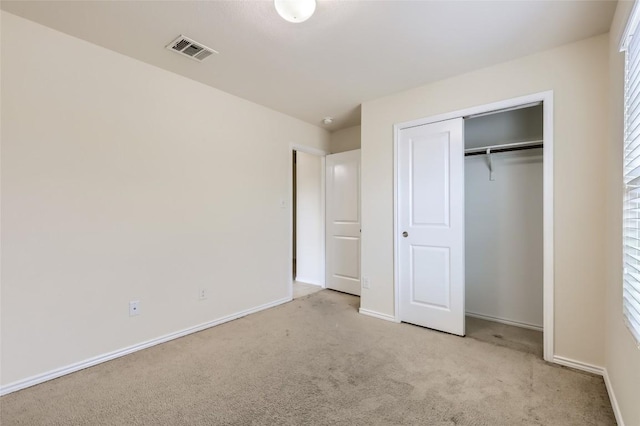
187,47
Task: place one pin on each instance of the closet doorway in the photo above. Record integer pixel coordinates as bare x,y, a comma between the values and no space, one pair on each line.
503,170
450,261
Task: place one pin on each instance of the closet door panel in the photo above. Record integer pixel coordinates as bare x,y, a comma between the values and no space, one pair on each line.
432,263
430,180
431,225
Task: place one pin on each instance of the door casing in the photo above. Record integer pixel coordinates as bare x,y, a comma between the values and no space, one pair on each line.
547,152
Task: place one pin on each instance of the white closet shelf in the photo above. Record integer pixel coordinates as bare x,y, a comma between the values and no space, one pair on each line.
504,147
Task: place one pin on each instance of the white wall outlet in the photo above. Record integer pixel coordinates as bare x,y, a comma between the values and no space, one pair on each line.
134,308
202,294
365,282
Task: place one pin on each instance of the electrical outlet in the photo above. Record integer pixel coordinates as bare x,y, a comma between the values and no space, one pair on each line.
365,282
134,308
202,294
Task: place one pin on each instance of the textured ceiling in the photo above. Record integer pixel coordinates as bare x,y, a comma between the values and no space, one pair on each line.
347,53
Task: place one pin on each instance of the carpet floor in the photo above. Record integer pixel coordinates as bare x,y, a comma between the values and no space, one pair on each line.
303,289
316,361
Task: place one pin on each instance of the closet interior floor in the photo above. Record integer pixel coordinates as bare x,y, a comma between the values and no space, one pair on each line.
495,333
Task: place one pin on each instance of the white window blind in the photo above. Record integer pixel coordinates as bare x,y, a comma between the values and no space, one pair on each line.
631,208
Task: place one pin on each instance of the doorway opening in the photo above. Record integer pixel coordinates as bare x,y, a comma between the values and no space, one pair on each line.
307,221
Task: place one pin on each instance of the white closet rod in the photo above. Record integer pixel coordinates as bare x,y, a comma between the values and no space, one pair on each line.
504,147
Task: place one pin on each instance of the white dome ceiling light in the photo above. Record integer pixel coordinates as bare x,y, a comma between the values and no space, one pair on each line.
295,11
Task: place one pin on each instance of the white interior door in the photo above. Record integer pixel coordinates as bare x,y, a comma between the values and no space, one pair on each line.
343,221
430,234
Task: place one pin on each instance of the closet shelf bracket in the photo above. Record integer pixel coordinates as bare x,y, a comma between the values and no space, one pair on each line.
490,162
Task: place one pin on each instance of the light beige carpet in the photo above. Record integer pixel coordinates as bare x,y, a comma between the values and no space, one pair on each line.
301,289
316,361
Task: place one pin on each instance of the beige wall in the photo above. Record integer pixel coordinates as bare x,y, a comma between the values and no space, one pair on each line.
578,75
622,355
345,140
122,181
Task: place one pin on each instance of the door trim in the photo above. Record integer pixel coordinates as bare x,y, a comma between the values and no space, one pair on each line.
322,154
547,154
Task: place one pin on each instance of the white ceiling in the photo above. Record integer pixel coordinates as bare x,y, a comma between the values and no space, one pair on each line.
347,53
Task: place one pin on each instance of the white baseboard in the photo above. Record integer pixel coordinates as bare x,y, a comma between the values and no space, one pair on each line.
601,371
50,375
505,321
377,315
578,365
612,398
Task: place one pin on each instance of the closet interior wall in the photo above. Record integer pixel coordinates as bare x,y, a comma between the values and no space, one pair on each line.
504,219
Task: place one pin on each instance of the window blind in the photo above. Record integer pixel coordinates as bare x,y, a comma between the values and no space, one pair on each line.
631,207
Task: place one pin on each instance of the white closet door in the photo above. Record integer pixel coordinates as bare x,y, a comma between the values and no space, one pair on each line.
431,225
343,222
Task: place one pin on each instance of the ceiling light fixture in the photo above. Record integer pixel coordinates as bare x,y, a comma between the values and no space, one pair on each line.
295,11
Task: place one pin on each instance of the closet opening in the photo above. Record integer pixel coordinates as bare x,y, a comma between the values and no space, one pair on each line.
473,244
504,227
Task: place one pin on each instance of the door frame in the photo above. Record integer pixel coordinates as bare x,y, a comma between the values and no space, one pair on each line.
547,199
318,153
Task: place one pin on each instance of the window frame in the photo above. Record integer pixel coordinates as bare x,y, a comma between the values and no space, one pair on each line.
631,177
